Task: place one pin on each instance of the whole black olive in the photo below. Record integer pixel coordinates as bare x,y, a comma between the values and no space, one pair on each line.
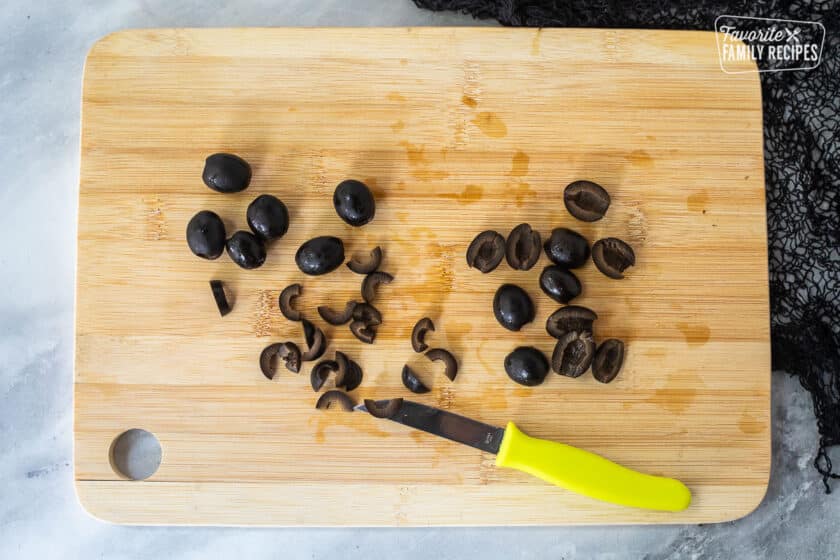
527,366
226,173
608,360
567,248
559,284
246,249
354,202
613,256
586,201
268,217
513,307
206,235
486,251
523,247
320,255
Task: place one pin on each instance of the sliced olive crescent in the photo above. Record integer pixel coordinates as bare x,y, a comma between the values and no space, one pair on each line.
367,314
354,376
450,369
412,382
286,351
322,371
523,247
363,332
372,281
219,295
570,318
383,409
573,354
334,317
486,251
331,398
286,299
361,266
315,341
586,201
418,334
613,256
608,360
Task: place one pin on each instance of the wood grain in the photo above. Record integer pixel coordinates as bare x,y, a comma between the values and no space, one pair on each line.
456,130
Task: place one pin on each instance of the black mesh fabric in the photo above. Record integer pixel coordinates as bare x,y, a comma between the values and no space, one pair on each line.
802,158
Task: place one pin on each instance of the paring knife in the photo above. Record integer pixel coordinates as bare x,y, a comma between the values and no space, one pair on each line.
563,465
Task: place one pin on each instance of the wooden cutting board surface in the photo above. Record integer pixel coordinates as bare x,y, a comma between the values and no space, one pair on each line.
457,131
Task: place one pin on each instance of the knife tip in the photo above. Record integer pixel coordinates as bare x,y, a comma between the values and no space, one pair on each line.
360,408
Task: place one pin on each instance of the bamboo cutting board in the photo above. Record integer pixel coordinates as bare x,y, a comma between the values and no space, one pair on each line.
457,131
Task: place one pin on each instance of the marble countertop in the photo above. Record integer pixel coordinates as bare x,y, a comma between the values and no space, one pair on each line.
42,51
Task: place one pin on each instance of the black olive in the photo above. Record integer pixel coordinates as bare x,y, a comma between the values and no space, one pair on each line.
573,354
353,377
335,397
220,296
226,173
316,341
320,255
334,317
367,314
286,351
570,318
450,364
288,294
567,248
206,235
586,201
527,366
383,409
365,333
354,203
612,256
372,281
418,334
321,371
361,266
486,251
559,284
513,307
246,249
523,247
268,217
608,360
412,382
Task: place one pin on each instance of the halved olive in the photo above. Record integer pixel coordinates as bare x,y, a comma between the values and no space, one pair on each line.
383,409
268,217
418,334
450,364
486,251
362,331
372,281
334,317
330,398
512,307
246,249
559,284
226,173
613,256
573,354
286,351
412,382
321,371
570,318
206,235
527,366
320,255
367,314
353,378
586,201
567,248
608,360
315,340
360,266
219,295
288,294
523,247
354,203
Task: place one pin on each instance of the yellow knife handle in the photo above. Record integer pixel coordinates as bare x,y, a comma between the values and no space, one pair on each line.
589,474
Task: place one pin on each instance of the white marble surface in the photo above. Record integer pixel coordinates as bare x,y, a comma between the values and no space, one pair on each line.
42,50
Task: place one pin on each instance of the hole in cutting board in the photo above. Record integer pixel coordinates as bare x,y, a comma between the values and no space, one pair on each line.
135,454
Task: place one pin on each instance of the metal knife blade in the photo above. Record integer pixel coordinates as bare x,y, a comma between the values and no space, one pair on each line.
447,425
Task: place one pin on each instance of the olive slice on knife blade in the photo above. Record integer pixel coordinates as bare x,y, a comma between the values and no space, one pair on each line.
383,409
